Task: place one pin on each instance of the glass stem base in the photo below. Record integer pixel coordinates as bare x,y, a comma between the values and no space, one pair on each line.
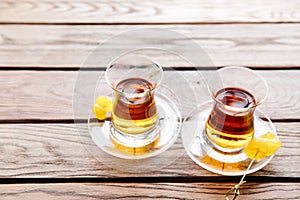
219,148
138,143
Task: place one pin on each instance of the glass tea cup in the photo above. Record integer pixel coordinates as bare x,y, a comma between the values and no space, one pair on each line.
135,122
236,92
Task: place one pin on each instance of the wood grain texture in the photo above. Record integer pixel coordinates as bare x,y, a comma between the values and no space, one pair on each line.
264,191
258,45
63,151
130,11
48,95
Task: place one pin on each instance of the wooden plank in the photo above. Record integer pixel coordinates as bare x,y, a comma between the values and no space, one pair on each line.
76,191
48,95
57,151
130,11
257,45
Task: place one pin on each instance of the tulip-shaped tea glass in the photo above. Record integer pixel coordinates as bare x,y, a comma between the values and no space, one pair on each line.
143,122
216,132
236,92
134,113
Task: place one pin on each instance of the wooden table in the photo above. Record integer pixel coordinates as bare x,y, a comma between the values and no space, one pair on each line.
44,43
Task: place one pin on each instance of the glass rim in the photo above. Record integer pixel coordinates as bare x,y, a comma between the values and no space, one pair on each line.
240,67
159,67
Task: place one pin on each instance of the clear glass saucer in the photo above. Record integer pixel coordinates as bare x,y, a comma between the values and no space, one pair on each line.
202,152
169,127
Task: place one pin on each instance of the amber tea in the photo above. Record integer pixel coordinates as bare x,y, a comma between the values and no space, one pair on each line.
231,124
134,110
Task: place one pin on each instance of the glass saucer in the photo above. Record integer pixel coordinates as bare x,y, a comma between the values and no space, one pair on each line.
169,127
202,152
